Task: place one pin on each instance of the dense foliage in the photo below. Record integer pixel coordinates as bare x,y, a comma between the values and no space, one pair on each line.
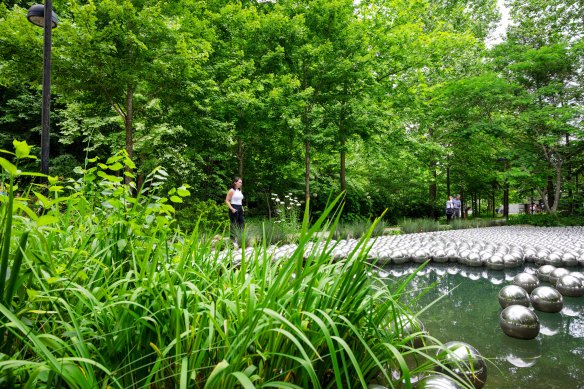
103,291
398,103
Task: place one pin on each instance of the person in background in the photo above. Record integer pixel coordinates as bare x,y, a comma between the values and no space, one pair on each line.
457,207
234,201
449,209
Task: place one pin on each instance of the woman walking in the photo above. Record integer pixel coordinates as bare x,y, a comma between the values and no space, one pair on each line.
234,201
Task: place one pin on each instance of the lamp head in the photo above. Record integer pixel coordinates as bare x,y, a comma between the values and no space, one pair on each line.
36,15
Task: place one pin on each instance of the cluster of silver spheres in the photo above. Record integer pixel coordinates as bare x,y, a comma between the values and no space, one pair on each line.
494,247
553,249
516,319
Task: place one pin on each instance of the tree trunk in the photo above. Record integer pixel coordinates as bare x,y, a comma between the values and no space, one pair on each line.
433,188
448,181
550,193
569,181
493,199
239,157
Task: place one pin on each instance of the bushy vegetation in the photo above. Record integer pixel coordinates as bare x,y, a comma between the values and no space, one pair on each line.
410,226
546,220
103,291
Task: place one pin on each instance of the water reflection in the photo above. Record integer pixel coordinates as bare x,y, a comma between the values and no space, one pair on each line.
469,312
518,352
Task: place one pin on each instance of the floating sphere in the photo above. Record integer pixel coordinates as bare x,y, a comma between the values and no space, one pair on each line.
569,259
571,286
412,328
527,281
495,262
556,274
513,295
554,259
543,273
519,322
547,299
578,275
465,361
438,382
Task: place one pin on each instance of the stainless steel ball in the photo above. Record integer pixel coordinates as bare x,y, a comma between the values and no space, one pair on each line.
554,259
543,273
578,275
519,322
571,286
437,382
556,274
526,281
465,361
411,328
495,262
513,295
546,299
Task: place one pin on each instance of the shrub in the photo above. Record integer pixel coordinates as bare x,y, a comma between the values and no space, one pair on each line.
546,220
212,217
410,226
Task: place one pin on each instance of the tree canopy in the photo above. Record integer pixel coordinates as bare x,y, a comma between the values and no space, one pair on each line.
397,103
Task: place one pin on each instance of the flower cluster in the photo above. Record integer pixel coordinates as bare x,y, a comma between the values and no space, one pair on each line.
286,211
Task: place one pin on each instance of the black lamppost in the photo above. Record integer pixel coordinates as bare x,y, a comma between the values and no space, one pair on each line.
36,15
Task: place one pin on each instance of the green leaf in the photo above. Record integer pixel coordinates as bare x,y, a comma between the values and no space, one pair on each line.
183,192
176,199
46,220
22,149
10,168
116,166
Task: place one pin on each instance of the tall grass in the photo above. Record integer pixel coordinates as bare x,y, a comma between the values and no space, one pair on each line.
111,295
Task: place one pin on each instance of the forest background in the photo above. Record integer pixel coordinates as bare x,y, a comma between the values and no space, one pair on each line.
398,103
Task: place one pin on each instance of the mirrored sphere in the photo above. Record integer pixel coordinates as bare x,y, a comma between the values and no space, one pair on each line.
546,299
513,295
556,274
527,281
438,382
543,273
465,361
519,322
569,285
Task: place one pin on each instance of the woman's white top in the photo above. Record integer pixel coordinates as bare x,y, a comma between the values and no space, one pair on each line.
236,197
450,204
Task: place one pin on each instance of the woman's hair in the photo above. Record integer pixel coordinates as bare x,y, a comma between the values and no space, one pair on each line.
234,182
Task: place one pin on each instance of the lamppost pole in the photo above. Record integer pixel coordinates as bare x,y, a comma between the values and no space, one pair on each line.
36,15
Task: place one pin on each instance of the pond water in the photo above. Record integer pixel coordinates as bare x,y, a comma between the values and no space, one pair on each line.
469,312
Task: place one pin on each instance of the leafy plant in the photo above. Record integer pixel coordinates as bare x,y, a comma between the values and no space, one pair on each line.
410,226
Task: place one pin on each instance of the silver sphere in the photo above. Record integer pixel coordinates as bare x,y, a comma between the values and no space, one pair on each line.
554,259
543,273
465,361
527,281
571,286
569,259
513,295
547,299
578,275
438,382
519,322
556,274
411,328
495,262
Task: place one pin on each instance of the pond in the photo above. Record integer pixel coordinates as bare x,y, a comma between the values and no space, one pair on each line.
469,312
